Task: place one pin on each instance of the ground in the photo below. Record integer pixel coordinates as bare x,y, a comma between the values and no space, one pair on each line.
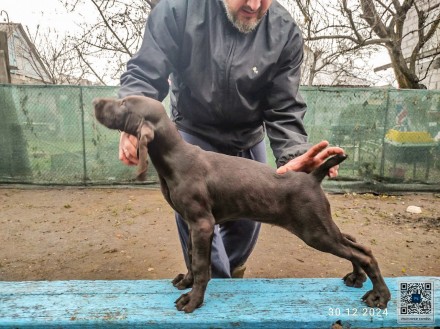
129,233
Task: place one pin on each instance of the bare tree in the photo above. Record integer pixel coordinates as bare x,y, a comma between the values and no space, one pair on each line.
329,61
99,51
57,53
336,31
364,23
113,37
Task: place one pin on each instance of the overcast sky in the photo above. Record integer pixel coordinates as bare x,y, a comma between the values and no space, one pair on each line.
31,13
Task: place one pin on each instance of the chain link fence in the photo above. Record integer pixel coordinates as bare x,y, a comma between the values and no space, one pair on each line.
48,135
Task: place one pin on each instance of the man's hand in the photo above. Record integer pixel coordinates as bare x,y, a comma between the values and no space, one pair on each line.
128,149
312,159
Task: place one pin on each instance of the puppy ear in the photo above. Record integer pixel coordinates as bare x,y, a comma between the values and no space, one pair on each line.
145,135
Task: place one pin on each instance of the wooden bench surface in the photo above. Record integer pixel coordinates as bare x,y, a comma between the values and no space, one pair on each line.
229,303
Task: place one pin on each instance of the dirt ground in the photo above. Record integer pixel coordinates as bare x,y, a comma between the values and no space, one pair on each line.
129,233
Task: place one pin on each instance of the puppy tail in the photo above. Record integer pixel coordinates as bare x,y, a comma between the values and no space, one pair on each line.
322,171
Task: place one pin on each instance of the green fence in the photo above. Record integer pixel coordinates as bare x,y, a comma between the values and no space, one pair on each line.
48,135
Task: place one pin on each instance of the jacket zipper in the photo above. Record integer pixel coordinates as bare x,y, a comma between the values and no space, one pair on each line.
229,60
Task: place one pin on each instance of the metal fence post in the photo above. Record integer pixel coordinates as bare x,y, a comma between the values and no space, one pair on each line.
382,160
81,100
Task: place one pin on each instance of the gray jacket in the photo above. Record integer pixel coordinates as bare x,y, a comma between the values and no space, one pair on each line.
226,86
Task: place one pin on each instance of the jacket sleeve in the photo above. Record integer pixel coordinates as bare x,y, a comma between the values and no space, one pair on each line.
286,109
148,70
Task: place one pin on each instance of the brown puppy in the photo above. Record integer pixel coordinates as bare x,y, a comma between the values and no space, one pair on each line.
208,188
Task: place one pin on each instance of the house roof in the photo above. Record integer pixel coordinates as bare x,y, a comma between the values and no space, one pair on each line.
9,28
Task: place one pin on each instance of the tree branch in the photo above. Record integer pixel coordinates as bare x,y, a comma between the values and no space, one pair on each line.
111,29
90,67
371,16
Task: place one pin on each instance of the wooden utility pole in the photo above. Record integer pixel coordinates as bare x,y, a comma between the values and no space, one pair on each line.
5,73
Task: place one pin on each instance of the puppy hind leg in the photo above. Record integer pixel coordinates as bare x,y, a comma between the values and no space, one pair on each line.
342,246
380,294
357,277
363,257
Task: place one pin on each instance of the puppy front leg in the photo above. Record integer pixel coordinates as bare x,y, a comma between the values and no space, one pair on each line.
202,232
184,281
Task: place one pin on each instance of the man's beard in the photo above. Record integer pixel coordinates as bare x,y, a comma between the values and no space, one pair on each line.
242,25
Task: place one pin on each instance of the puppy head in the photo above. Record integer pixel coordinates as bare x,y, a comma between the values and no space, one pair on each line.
145,107
110,112
123,114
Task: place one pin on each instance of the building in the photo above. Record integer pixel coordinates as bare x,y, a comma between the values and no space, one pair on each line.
23,65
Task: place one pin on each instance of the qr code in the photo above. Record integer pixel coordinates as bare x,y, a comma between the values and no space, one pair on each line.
416,302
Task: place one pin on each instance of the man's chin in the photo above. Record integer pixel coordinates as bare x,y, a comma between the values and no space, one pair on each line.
245,25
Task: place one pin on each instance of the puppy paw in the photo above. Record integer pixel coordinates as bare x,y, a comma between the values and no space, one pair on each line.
355,279
182,281
377,299
188,302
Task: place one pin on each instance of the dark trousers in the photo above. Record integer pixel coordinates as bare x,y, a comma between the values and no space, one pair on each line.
234,240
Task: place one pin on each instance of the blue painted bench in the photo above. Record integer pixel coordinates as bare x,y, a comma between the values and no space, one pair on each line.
239,303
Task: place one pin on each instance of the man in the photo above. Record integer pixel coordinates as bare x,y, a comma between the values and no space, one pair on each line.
234,67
